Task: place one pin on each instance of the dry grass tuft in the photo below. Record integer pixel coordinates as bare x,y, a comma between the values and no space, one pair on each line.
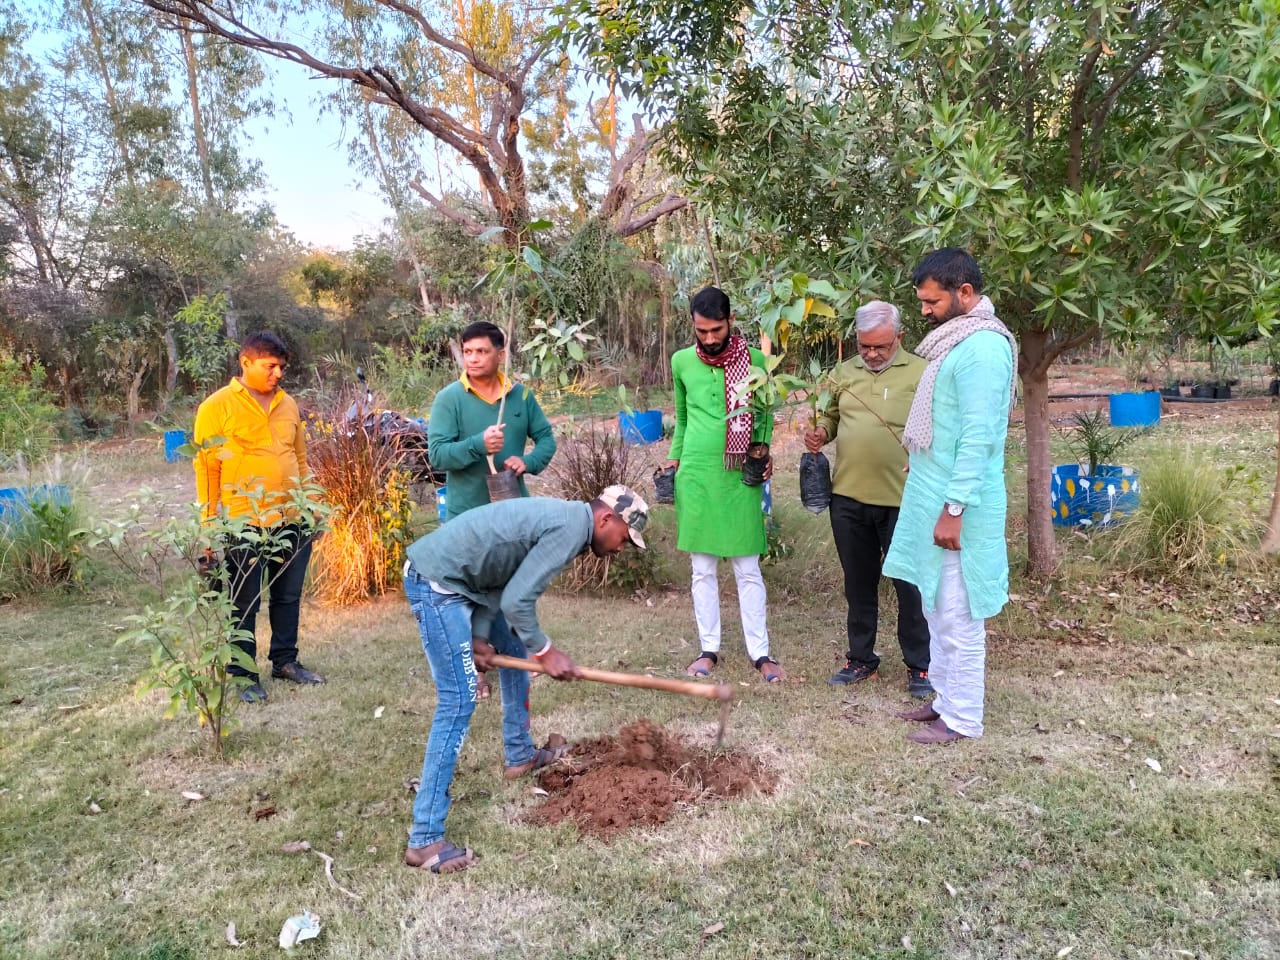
361,554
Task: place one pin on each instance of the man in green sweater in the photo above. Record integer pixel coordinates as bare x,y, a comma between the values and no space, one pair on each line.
463,432
866,418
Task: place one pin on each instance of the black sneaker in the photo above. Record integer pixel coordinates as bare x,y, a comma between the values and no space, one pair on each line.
852,673
253,693
297,673
918,684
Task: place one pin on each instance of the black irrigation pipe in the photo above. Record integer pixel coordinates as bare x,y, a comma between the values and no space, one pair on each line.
1164,397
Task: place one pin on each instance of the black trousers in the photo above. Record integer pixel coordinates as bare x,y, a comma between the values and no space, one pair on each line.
246,564
862,533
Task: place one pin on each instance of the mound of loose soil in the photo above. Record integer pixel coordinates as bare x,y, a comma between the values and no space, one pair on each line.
639,777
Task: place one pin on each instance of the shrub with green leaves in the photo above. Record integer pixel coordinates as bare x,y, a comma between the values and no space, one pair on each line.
28,416
190,631
1194,518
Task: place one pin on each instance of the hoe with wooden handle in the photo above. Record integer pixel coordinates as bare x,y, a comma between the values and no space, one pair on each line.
690,688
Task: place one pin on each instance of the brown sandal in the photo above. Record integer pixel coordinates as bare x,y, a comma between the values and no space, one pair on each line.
696,670
557,748
776,675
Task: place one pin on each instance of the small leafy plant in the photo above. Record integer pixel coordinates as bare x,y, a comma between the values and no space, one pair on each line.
190,631
1094,441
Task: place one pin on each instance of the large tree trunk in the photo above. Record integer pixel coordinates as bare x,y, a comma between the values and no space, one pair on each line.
113,106
197,116
171,366
1271,542
1042,550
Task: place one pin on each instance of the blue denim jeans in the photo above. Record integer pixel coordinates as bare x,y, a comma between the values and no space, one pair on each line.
444,621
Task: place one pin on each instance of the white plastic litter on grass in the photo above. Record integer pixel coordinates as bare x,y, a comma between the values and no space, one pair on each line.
304,926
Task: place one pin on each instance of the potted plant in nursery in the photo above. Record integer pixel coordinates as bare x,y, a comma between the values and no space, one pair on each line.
1094,491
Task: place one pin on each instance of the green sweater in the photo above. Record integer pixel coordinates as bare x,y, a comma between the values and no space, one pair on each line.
866,418
503,556
455,440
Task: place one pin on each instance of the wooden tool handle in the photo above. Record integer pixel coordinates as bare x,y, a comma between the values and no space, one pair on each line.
688,687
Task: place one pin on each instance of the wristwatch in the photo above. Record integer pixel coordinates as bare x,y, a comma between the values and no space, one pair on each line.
955,509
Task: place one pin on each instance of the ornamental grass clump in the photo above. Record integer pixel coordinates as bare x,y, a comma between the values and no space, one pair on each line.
587,460
362,554
1192,519
42,529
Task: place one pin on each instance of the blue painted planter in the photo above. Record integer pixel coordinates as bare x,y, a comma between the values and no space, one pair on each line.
1134,409
174,440
1101,500
640,427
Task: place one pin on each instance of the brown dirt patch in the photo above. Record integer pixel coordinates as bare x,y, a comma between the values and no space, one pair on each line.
639,778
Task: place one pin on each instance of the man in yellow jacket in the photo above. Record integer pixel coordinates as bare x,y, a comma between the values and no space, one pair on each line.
264,448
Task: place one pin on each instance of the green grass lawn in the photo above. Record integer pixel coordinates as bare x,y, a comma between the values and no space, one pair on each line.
1051,836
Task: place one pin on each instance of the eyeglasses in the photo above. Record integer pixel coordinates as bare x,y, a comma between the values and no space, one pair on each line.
876,347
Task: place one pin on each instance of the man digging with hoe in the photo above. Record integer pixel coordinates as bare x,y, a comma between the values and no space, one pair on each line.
496,559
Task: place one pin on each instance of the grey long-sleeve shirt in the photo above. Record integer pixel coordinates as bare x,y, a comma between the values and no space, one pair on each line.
502,556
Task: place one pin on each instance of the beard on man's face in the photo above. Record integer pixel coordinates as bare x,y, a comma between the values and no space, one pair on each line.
715,349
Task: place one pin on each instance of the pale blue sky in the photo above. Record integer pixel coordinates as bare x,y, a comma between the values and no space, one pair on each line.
316,192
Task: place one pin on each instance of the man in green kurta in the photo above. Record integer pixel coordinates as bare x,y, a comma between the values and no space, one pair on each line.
716,513
950,540
463,432
866,417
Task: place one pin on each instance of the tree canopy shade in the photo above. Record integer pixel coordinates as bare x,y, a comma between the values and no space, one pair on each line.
482,78
1112,165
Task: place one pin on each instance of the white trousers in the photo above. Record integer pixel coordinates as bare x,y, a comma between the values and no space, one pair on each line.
957,652
751,603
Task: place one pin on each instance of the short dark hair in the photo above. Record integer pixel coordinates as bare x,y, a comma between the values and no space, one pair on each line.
483,328
264,344
710,302
950,268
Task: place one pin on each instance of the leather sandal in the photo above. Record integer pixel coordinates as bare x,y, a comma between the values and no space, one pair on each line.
694,670
776,675
542,757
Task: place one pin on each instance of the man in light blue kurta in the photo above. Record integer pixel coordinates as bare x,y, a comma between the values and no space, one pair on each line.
949,540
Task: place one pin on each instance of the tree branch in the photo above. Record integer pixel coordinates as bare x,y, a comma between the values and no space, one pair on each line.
670,204
472,227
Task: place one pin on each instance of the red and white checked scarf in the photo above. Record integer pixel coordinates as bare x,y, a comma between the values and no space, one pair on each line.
736,361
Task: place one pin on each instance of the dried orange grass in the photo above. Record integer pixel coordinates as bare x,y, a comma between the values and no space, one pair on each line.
357,558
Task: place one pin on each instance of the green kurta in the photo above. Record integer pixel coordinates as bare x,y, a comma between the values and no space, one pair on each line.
716,512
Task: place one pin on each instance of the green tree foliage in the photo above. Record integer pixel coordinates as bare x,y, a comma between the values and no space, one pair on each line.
1106,162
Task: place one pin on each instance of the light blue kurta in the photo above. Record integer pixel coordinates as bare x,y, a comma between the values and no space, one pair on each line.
964,464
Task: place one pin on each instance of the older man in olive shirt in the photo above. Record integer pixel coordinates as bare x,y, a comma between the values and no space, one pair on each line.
866,419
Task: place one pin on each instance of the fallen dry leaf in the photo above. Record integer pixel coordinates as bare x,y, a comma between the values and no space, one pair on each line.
192,795
1064,952
855,842
906,943
713,929
919,819
539,792
231,936
295,846
1154,764
950,889
264,814
377,714
94,809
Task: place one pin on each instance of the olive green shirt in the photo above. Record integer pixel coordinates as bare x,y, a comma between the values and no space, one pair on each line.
866,418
